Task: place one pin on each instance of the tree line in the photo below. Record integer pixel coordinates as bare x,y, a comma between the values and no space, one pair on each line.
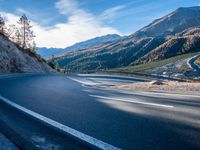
21,33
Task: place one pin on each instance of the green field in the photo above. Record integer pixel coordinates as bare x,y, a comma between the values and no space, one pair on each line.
147,66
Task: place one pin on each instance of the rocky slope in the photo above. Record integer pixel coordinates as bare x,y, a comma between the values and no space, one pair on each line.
174,34
14,60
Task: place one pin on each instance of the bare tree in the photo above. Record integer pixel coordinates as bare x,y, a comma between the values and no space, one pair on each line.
10,32
26,35
2,25
17,37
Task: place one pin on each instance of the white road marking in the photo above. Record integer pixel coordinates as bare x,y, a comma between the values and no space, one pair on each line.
188,62
79,135
86,82
133,101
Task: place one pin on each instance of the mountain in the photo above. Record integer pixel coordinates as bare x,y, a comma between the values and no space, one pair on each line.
171,24
14,59
46,52
173,46
174,34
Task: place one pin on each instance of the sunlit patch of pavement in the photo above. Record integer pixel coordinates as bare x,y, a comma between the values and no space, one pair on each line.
132,101
173,112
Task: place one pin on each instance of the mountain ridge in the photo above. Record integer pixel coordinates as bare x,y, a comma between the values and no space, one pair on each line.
171,23
171,35
46,52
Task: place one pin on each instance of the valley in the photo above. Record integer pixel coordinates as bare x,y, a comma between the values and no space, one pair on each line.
163,39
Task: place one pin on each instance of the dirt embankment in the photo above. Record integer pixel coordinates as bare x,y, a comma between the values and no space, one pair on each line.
14,60
198,61
168,87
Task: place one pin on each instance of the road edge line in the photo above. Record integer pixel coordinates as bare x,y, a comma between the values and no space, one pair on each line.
74,133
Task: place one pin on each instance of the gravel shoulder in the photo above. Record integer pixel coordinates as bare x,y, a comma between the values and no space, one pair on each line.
164,87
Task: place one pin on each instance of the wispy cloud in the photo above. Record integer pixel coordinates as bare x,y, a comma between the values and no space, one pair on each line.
111,12
67,7
21,11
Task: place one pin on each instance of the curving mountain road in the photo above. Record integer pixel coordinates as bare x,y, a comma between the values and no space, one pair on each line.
135,121
194,65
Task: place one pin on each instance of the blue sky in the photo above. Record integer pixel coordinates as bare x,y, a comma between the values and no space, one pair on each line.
60,23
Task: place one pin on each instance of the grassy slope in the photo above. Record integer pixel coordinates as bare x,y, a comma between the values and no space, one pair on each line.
142,67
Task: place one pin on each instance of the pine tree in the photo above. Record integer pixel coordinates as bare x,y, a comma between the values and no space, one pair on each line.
33,47
25,33
2,25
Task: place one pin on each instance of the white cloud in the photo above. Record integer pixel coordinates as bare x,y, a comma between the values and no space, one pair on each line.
10,18
111,12
23,11
67,7
62,35
81,25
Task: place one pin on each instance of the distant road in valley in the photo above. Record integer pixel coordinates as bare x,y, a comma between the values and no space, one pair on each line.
131,121
193,65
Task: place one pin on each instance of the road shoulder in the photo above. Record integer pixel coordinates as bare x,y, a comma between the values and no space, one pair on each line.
6,144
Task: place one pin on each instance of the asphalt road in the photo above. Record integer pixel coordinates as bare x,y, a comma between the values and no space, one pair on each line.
135,121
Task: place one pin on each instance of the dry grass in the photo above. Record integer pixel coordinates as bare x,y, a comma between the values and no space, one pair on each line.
171,86
198,61
153,65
